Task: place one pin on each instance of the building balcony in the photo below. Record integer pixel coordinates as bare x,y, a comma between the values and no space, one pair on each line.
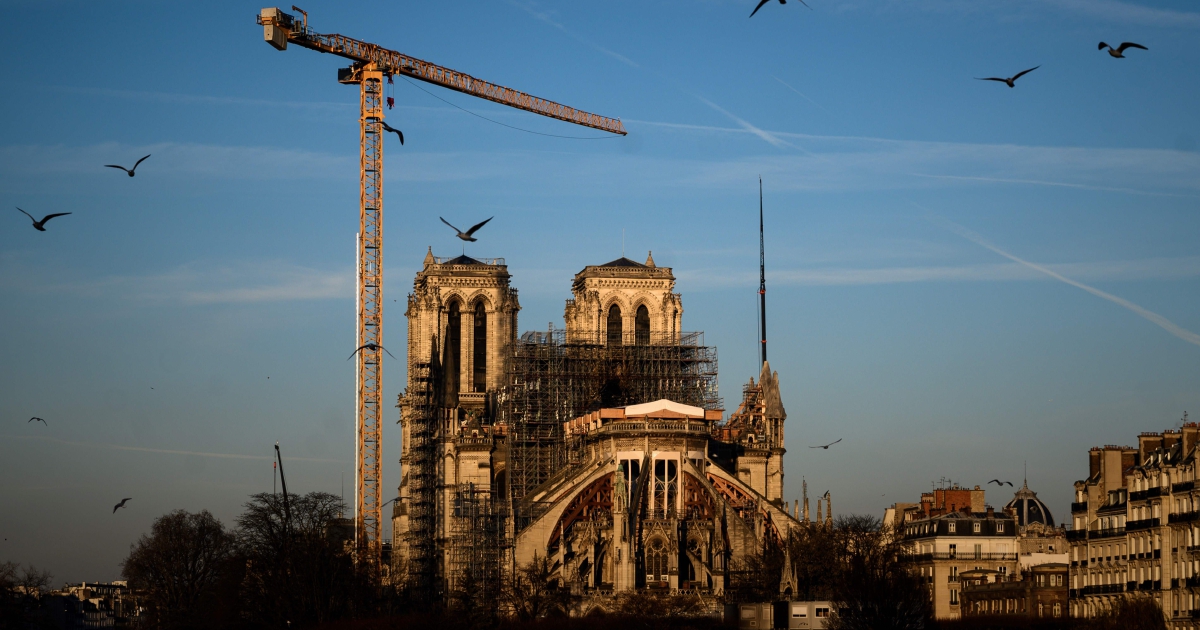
1103,589
1183,486
1183,517
1145,494
1146,523
1110,532
1192,582
1076,534
965,555
1079,507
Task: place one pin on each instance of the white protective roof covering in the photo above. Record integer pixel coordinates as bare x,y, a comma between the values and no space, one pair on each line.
646,409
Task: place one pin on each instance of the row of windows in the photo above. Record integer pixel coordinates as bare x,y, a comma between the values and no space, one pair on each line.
952,527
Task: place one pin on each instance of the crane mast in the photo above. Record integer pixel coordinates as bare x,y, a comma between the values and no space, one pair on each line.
372,64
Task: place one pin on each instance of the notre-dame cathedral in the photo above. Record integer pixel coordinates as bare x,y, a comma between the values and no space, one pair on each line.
601,447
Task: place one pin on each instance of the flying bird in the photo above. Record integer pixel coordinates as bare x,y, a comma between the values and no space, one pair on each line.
130,170
1000,483
39,225
762,2
1011,80
826,446
400,134
1119,52
466,236
38,419
369,346
121,504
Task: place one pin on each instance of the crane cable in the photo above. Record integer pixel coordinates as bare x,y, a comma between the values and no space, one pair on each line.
552,135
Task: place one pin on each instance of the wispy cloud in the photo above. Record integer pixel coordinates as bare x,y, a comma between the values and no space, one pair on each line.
802,94
529,8
170,158
771,138
195,283
860,162
1110,271
1151,316
202,99
1042,182
1129,13
166,451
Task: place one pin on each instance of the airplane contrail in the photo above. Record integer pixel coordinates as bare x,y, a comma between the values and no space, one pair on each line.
1153,317
120,447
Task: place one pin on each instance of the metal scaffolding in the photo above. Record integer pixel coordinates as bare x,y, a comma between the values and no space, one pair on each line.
477,537
423,398
550,380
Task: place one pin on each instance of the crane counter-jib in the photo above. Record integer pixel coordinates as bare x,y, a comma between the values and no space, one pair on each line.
279,29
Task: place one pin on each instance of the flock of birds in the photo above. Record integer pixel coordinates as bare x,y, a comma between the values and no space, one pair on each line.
1116,53
41,225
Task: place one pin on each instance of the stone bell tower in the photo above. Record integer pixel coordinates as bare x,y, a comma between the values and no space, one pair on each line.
624,303
468,309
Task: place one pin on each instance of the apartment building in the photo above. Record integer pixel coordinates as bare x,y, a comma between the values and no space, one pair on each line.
1136,527
944,546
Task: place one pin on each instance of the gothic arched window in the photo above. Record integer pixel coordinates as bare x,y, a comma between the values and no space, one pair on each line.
641,326
656,561
479,349
614,326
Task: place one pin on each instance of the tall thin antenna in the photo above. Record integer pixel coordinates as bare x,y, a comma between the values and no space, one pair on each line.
622,242
762,276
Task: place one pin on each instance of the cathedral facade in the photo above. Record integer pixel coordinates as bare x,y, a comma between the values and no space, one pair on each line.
602,447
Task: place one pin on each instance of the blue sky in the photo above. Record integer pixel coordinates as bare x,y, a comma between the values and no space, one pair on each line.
144,326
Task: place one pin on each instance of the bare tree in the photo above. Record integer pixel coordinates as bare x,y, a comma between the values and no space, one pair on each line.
534,592
21,591
299,570
872,588
179,566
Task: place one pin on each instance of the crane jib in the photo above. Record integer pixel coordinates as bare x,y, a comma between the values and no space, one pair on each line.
390,61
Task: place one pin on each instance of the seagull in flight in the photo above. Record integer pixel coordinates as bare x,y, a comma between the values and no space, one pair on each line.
1120,50
826,446
400,134
1011,80
131,171
38,419
466,236
39,225
1000,483
762,2
369,346
121,504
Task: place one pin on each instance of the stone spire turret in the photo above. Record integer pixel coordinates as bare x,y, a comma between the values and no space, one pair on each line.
804,484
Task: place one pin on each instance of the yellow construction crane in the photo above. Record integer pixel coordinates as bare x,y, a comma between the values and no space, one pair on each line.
371,65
